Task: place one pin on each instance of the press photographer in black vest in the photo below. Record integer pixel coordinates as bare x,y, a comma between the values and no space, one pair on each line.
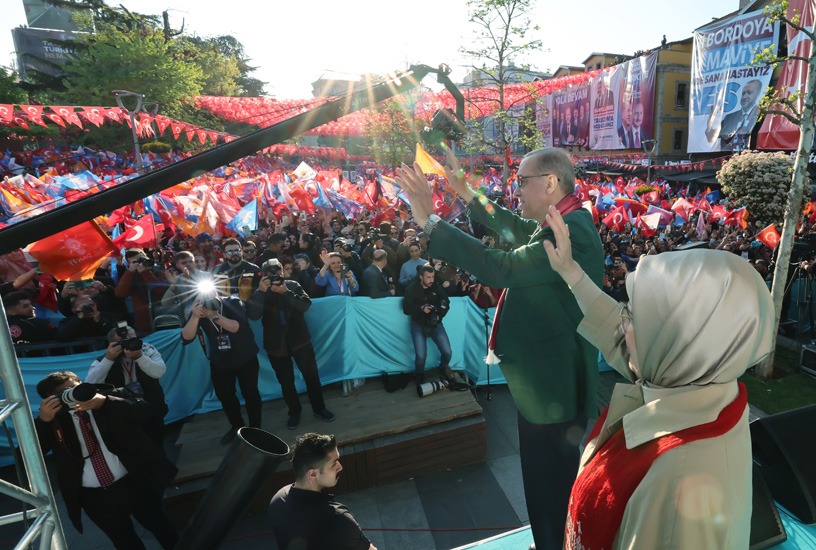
131,363
281,305
231,349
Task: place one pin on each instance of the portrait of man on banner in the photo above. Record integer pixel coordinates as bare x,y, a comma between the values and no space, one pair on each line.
725,84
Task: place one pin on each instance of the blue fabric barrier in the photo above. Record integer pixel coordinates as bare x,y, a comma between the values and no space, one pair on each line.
352,337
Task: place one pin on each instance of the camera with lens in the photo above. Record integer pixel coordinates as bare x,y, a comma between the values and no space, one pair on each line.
88,309
78,394
146,262
273,273
131,344
433,316
210,302
426,389
346,247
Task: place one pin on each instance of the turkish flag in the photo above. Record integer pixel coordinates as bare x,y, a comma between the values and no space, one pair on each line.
34,113
68,114
651,197
440,208
302,199
769,236
683,208
141,235
75,253
7,113
616,219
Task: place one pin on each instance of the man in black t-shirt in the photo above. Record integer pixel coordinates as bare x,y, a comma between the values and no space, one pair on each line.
24,326
302,516
233,354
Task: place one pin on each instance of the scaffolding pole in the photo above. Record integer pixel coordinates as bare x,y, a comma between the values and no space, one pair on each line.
47,525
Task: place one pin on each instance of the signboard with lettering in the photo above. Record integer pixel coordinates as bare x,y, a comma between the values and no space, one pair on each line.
725,86
42,50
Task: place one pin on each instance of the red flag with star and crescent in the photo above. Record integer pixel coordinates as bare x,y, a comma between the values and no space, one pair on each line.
769,236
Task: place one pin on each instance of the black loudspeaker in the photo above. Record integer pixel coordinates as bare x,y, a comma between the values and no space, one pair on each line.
807,360
784,452
766,527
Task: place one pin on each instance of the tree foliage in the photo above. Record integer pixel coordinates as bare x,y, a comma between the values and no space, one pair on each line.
760,182
503,31
392,131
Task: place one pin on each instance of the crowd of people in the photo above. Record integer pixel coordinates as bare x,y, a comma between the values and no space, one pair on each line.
273,273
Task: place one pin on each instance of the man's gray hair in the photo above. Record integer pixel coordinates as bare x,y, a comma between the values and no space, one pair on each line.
550,160
113,332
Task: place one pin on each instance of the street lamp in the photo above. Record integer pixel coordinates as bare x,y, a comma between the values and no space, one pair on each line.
649,146
120,99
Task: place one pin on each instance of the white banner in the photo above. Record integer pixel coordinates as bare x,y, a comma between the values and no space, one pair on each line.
725,86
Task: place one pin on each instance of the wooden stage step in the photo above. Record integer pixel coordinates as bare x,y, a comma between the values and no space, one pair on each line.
383,437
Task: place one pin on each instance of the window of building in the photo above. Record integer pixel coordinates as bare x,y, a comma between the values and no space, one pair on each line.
678,139
681,95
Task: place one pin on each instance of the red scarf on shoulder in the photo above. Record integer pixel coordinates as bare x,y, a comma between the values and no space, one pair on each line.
566,205
603,488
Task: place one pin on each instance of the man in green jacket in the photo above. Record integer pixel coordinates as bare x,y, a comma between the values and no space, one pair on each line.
551,371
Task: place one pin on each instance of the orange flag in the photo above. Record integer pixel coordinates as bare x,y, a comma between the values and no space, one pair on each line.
75,253
428,164
769,236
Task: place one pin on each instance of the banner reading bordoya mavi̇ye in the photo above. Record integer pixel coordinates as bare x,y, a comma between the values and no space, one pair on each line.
725,86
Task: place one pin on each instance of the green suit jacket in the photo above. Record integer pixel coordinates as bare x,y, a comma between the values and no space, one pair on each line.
551,371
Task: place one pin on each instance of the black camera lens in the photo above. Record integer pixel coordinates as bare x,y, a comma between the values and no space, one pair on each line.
346,248
77,394
88,309
131,344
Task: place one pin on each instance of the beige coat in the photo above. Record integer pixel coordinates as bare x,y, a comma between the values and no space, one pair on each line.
696,496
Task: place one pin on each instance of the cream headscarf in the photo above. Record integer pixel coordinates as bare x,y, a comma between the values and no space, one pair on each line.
700,317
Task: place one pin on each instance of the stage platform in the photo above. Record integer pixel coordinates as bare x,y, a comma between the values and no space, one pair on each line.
383,437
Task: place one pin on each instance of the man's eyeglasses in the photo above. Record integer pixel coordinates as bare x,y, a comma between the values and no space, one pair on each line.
232,252
522,180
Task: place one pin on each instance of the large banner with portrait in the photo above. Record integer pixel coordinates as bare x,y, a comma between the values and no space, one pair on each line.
544,120
622,105
725,86
570,116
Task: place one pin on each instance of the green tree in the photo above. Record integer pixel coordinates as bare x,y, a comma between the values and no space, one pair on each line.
503,29
141,62
392,131
799,109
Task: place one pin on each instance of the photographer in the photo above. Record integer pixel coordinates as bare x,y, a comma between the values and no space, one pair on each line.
230,347
134,285
130,363
281,305
105,465
86,321
349,257
335,276
426,303
615,279
242,274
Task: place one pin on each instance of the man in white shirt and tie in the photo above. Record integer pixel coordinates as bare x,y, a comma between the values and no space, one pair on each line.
105,463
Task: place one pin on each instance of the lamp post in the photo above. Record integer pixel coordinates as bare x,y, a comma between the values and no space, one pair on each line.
649,146
120,98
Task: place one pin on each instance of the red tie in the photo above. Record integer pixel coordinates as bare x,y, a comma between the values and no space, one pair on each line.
100,465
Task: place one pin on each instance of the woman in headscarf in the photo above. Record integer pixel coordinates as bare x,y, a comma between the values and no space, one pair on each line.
668,464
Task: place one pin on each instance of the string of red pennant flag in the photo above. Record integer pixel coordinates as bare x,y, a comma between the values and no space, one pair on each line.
23,115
